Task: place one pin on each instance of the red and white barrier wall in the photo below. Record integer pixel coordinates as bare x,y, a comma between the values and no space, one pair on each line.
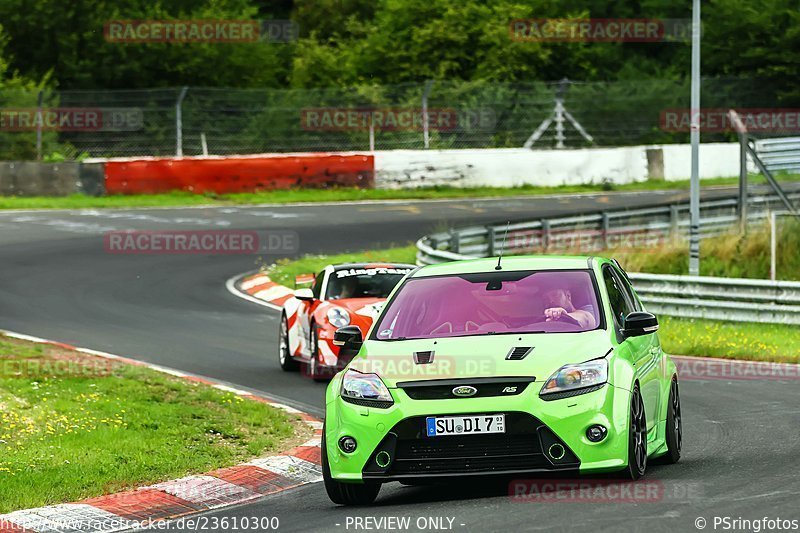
238,173
502,167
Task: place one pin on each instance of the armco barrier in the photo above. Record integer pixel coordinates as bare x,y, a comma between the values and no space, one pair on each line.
239,174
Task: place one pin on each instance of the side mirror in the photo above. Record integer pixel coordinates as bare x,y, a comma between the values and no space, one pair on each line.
639,323
304,294
348,339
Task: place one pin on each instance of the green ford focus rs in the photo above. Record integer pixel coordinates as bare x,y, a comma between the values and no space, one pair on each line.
528,366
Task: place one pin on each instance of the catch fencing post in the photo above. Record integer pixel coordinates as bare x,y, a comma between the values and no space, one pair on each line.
426,136
39,121
371,132
179,123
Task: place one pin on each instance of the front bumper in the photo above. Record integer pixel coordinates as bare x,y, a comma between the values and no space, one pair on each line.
533,426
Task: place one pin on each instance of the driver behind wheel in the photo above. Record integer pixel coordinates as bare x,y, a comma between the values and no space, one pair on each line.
560,302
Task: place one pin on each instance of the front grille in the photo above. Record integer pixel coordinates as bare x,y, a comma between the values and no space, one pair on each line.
442,389
519,449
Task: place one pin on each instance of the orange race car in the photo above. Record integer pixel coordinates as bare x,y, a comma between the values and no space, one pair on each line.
340,295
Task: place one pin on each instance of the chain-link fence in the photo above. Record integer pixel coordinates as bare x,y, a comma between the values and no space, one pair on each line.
436,115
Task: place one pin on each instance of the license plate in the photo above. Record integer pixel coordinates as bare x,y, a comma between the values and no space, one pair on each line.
438,426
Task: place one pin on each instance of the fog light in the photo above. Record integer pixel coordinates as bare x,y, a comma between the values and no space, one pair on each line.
596,433
383,459
556,452
347,444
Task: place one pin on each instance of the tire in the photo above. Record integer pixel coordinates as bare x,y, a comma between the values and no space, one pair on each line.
314,371
287,362
637,437
346,493
674,425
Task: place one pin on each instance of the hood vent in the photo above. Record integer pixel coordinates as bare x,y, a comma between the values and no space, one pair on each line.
423,358
518,352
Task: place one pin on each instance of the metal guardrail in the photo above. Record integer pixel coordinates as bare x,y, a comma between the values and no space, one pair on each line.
596,231
780,154
735,299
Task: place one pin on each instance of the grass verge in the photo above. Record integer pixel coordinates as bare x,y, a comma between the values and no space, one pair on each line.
78,201
728,255
679,336
730,340
73,426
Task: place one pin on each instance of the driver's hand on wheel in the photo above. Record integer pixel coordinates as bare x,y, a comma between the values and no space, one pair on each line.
554,313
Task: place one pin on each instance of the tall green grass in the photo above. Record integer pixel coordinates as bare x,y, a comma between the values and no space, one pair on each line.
729,255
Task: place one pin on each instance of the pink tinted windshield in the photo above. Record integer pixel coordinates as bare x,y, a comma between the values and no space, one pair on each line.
491,303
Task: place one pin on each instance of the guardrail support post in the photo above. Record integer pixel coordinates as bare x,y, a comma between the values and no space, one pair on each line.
606,222
674,221
545,234
490,241
455,245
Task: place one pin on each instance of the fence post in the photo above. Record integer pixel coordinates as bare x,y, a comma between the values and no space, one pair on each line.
179,123
39,121
371,132
773,244
426,136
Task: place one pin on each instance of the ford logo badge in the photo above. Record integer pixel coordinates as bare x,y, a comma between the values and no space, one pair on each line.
465,391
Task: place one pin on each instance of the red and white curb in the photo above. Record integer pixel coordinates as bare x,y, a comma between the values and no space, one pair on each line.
180,497
259,289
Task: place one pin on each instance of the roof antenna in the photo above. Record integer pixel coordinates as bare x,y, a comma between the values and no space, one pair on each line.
502,247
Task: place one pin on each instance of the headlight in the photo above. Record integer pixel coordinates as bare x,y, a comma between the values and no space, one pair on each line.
572,377
364,388
338,317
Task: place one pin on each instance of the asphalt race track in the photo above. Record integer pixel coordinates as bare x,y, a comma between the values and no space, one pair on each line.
741,439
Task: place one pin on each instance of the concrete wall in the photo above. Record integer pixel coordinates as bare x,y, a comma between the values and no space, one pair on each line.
30,178
518,166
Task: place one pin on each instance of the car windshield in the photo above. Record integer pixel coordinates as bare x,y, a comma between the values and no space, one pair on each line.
491,303
364,282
